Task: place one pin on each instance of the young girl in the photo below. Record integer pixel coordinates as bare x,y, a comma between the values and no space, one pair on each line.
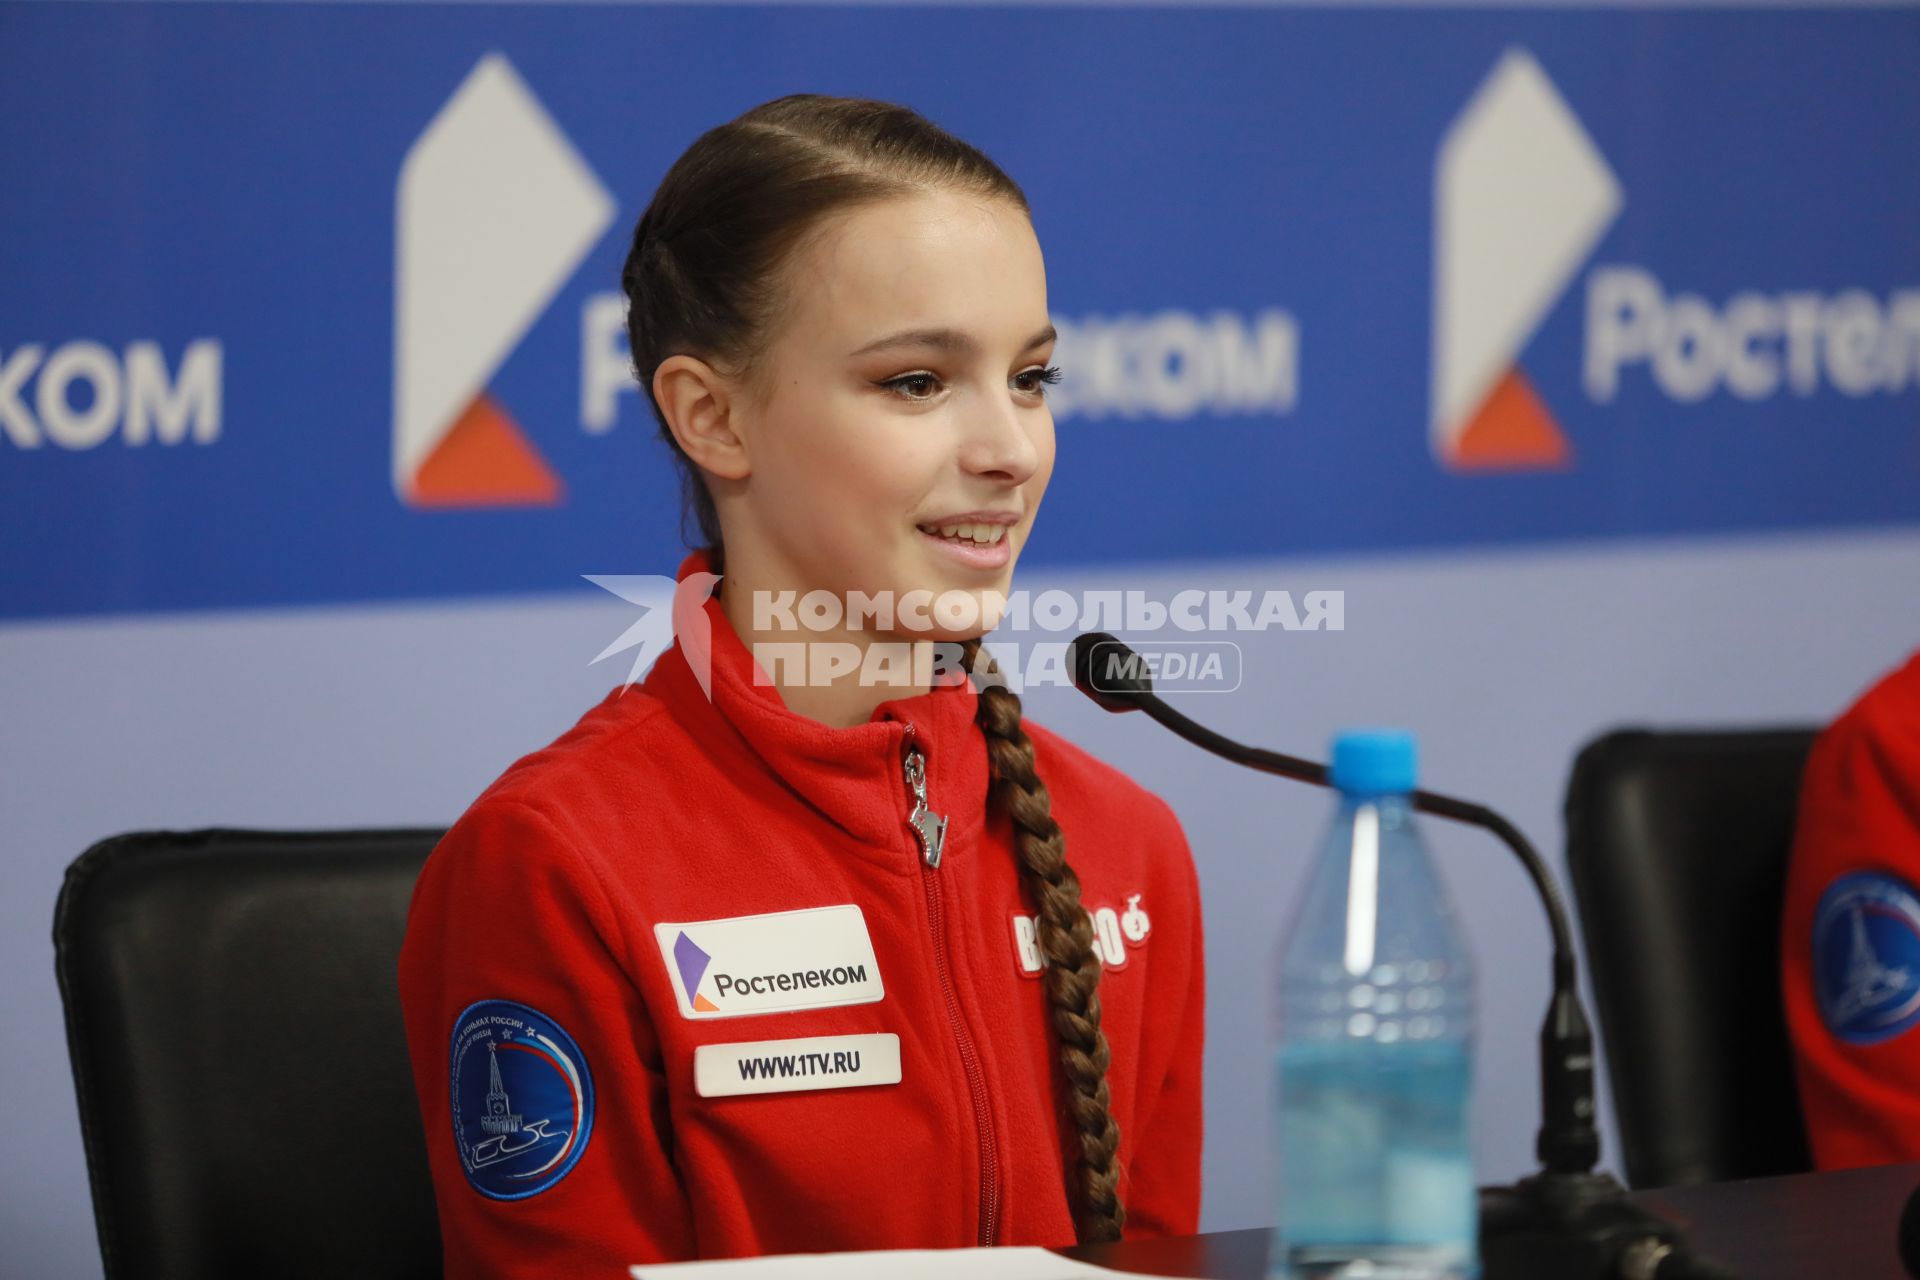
739,966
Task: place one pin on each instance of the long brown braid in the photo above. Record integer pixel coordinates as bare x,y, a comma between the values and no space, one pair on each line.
1065,936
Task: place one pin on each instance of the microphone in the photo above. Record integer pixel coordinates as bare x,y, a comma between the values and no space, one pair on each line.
1565,1221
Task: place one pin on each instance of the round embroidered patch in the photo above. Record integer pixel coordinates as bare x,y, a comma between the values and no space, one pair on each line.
1866,957
522,1099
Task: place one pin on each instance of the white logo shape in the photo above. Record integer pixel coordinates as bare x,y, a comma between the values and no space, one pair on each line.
668,609
494,212
1521,197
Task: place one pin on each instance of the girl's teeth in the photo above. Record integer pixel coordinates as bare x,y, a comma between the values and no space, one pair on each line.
984,535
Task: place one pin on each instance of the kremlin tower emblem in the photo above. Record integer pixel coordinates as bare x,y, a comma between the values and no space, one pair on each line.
499,1117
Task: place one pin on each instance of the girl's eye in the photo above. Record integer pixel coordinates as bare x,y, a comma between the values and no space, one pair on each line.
1041,378
914,386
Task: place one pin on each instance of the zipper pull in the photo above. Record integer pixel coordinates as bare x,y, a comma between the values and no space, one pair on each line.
931,827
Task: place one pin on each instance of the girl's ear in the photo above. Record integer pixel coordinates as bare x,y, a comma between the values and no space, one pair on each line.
698,404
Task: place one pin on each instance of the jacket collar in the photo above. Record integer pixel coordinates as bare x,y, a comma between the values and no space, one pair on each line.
852,775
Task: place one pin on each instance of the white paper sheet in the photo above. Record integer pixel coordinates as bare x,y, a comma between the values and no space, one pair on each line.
887,1264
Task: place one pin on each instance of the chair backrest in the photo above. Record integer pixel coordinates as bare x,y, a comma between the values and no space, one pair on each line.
1678,845
234,1023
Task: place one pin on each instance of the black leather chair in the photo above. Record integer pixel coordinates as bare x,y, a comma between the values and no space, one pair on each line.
234,1024
1678,845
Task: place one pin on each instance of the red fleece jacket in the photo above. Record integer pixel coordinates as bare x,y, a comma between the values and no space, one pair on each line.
1850,947
615,1067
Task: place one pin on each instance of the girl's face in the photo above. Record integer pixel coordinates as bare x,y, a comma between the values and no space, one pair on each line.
902,397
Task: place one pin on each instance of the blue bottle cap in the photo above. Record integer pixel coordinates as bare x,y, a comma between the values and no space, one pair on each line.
1374,762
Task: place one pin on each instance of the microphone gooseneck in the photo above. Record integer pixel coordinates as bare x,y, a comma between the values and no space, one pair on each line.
1112,674
1566,1221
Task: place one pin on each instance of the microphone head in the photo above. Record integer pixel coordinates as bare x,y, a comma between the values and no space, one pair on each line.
1109,672
1910,1234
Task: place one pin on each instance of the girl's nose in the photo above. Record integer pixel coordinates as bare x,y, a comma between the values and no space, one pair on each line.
1000,442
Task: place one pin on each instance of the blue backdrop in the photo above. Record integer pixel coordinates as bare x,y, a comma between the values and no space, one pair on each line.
201,221
1596,331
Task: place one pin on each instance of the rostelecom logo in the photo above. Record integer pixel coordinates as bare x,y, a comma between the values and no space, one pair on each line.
1521,197
493,214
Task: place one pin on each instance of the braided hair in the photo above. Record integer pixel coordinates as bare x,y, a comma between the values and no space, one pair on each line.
1065,937
703,277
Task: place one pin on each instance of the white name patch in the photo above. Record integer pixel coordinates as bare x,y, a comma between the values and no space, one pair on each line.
814,958
788,1066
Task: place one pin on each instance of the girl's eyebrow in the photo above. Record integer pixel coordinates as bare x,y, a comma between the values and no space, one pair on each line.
951,340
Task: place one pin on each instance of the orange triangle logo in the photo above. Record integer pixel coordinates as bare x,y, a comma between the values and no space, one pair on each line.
703,1004
1512,430
485,461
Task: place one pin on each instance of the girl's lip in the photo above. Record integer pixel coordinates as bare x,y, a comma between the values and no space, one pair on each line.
974,556
972,517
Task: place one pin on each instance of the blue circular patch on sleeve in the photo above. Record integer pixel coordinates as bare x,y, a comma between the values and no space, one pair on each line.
1866,957
522,1099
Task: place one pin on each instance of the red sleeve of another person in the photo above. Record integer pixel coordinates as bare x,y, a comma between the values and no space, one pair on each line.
1850,943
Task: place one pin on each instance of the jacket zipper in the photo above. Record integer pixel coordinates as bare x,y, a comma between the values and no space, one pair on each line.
931,830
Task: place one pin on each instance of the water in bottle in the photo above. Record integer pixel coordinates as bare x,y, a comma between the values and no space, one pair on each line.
1374,1057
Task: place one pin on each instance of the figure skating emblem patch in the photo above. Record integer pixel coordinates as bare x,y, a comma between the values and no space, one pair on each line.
1866,957
522,1099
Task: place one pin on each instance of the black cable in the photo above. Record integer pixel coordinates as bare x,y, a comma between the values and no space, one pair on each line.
1443,806
1568,1142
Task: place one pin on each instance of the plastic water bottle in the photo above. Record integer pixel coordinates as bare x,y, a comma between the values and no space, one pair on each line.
1374,1058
